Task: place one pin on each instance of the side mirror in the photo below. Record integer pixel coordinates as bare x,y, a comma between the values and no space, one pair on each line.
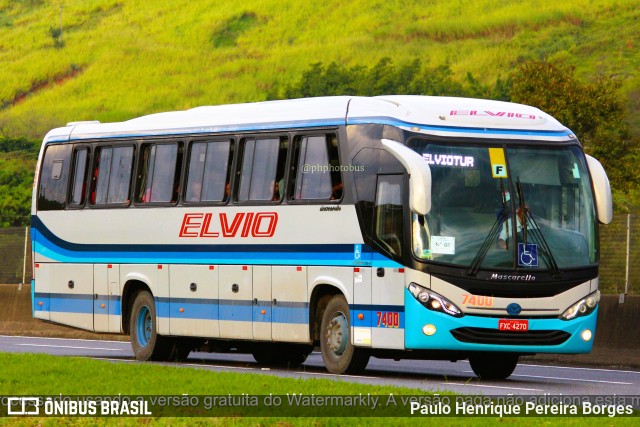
601,189
419,175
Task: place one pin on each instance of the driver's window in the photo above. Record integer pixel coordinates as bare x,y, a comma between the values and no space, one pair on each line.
388,213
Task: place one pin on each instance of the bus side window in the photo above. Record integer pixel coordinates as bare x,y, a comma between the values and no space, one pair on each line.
159,176
262,170
209,172
54,177
79,179
316,169
112,176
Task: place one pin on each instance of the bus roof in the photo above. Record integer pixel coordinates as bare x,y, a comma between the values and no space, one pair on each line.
444,116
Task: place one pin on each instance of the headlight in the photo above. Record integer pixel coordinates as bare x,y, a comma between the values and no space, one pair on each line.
434,301
583,307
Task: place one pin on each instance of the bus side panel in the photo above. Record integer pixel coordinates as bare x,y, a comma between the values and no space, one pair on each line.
71,293
101,303
115,291
388,309
262,309
193,304
41,291
291,308
235,289
361,314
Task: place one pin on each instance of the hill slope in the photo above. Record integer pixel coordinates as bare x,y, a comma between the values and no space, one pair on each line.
116,59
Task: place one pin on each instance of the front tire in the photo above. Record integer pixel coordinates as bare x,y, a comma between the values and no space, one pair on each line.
493,366
338,352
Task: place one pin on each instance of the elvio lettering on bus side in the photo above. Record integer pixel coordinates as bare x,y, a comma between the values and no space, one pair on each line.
260,224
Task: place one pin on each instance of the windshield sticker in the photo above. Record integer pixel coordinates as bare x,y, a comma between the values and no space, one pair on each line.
443,245
449,160
498,163
527,255
576,171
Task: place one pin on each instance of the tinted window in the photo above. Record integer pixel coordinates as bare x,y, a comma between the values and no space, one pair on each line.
316,168
388,213
159,176
262,170
54,177
208,179
80,168
112,175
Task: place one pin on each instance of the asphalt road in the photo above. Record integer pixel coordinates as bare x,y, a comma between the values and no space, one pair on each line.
430,376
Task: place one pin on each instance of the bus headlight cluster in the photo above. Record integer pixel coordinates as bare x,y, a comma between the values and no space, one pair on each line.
434,301
583,307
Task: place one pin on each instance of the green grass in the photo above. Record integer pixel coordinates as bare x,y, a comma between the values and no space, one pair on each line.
28,374
125,58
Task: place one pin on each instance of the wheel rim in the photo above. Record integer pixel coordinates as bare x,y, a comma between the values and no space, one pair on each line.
338,334
144,326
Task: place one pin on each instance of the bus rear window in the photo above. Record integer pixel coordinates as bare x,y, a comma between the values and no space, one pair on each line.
54,178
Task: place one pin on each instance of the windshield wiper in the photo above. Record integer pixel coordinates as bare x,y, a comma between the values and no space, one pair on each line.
493,234
535,231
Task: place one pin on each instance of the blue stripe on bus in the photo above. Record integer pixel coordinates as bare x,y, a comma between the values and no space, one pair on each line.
289,312
296,124
371,318
459,129
242,127
57,249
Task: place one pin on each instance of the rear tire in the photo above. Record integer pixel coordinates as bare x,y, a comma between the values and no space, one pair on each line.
338,352
493,366
145,341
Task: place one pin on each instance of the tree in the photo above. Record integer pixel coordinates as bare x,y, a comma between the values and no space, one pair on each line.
594,111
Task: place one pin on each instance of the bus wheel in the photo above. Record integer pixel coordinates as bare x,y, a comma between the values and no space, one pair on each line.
339,354
281,355
145,341
493,366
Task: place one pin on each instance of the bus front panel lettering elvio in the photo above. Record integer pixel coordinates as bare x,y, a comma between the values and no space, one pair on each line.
469,231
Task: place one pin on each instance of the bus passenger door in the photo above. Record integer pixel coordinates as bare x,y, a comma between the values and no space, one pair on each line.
387,287
236,301
262,302
290,312
193,300
387,298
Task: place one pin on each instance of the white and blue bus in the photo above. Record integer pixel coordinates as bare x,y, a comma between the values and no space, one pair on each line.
395,227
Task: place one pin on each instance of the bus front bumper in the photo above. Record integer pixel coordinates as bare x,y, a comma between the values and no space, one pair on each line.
430,330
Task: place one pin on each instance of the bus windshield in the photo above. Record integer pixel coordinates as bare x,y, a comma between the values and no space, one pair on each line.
506,208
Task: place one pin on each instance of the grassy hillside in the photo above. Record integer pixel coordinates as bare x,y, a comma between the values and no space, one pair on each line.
110,60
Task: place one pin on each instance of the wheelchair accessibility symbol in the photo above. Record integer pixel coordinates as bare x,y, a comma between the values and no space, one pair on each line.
527,255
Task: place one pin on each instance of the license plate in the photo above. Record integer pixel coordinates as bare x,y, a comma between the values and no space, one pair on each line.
513,325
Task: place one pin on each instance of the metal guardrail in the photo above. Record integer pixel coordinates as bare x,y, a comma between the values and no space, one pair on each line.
619,255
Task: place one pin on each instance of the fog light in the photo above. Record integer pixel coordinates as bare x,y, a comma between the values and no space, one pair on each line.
586,335
429,330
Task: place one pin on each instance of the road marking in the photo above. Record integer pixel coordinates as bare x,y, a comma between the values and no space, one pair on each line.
584,369
217,366
338,375
493,386
564,379
571,379
69,346
61,339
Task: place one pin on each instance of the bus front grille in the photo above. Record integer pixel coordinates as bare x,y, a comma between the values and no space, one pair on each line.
493,336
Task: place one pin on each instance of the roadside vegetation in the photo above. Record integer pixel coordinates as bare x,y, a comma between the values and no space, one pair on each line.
113,60
31,375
